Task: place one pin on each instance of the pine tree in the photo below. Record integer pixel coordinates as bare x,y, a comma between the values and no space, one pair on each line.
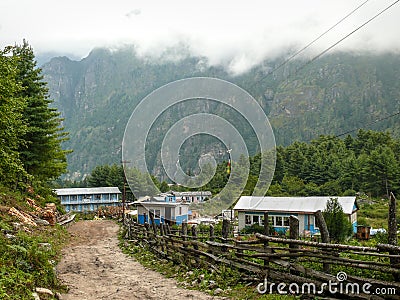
12,124
41,153
338,224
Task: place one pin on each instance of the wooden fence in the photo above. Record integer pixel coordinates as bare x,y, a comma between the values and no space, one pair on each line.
306,267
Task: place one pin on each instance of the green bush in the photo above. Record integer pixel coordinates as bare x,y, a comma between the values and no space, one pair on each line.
25,263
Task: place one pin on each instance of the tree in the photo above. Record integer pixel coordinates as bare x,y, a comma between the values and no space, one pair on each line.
12,125
338,224
164,187
380,172
40,152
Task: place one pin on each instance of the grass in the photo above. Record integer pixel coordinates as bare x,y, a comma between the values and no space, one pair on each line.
27,256
205,279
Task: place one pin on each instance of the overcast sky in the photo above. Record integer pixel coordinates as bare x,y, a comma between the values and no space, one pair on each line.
237,34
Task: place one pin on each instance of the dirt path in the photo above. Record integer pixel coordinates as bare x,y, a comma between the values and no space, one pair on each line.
94,267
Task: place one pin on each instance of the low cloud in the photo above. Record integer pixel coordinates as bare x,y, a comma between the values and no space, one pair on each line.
237,35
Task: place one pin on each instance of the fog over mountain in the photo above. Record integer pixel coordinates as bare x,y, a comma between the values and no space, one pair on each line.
236,35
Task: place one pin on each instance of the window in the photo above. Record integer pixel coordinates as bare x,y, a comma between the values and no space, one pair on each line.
278,221
286,221
247,219
271,220
256,219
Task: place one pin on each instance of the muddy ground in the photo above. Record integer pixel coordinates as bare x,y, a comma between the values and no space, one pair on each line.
94,267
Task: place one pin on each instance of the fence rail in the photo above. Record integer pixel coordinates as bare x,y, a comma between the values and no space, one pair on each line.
278,259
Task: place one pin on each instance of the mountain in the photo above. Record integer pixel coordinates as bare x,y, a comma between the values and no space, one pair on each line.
335,94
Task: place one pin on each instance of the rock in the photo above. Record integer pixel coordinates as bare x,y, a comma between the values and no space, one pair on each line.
35,296
51,206
42,222
201,277
218,291
212,284
45,246
50,216
194,283
17,226
190,273
44,291
10,236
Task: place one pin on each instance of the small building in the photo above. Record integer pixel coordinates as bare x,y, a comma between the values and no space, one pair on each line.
88,199
363,232
192,196
251,211
166,209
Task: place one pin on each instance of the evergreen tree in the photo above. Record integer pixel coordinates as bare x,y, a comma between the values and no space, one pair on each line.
12,125
338,224
380,172
41,152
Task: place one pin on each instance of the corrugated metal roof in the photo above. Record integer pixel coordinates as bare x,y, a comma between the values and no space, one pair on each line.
87,191
292,204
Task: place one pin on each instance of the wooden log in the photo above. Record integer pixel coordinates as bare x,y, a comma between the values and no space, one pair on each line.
316,244
153,224
323,229
147,226
211,233
392,222
266,233
225,228
389,248
392,232
194,234
293,231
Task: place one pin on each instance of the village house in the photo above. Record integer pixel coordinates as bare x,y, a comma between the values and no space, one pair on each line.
193,196
165,208
251,210
88,199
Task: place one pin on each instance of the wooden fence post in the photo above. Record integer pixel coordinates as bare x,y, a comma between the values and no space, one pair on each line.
294,235
194,234
161,237
293,231
168,228
147,226
211,233
323,229
184,232
392,233
225,228
266,232
153,224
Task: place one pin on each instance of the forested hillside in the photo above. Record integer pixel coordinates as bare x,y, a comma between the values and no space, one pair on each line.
368,163
335,94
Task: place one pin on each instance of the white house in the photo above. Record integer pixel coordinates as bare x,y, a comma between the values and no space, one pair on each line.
88,199
165,208
192,196
251,211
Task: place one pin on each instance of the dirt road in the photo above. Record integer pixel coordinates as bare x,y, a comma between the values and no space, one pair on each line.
94,267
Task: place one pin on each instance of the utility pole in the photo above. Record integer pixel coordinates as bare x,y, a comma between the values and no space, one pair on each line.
124,162
229,169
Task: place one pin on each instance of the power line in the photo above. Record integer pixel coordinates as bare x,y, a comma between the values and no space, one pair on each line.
346,36
334,45
369,123
312,42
